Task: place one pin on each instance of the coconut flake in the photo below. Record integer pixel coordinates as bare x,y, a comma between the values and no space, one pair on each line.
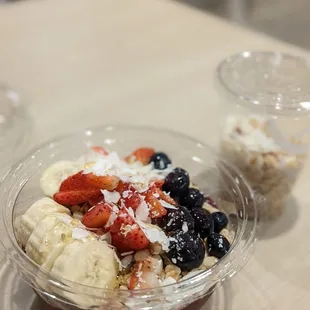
142,212
155,234
185,227
106,237
79,233
126,253
126,261
167,205
111,197
126,194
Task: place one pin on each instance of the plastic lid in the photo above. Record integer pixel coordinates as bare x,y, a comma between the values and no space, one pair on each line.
275,81
15,125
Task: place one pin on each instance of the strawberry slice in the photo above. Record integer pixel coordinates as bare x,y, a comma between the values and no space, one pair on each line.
121,187
100,150
136,238
156,209
143,155
133,200
102,182
96,200
123,219
159,183
163,196
74,182
98,216
76,197
120,242
126,234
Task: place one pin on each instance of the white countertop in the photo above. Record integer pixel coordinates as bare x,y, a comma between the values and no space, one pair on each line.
84,63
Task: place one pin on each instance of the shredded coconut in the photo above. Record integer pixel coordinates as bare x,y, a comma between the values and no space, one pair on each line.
79,233
167,205
111,197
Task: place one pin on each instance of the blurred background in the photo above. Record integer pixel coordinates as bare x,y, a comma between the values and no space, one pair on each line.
286,20
283,19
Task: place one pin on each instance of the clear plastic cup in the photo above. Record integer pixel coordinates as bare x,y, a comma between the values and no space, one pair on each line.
265,130
207,170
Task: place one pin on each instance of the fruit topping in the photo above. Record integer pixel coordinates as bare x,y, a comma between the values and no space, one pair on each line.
217,245
74,182
127,234
98,216
220,221
203,220
193,198
75,197
156,208
100,150
176,182
142,155
177,219
102,181
186,250
160,160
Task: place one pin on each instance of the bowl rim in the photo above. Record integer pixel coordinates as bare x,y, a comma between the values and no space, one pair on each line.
194,280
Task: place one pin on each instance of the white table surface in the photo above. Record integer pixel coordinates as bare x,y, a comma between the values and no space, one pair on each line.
89,62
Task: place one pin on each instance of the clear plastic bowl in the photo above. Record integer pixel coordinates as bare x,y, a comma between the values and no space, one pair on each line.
213,175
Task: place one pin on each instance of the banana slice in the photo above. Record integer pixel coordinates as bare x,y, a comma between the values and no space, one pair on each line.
53,229
25,225
91,263
55,174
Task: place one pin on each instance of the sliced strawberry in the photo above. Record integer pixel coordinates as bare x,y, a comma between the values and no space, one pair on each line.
163,196
121,187
103,182
133,200
100,150
123,219
120,242
143,155
159,183
98,216
75,197
76,181
127,234
143,276
156,209
94,201
136,238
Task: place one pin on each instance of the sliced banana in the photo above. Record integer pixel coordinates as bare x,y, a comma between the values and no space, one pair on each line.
25,225
53,176
90,263
53,229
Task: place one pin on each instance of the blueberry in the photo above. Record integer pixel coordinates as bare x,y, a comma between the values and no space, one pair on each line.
217,245
176,182
186,250
177,219
203,221
160,161
220,221
193,198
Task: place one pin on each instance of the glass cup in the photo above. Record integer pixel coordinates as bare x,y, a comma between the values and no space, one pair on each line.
265,131
207,170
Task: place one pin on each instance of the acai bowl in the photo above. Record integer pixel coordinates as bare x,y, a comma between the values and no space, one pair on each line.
123,217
